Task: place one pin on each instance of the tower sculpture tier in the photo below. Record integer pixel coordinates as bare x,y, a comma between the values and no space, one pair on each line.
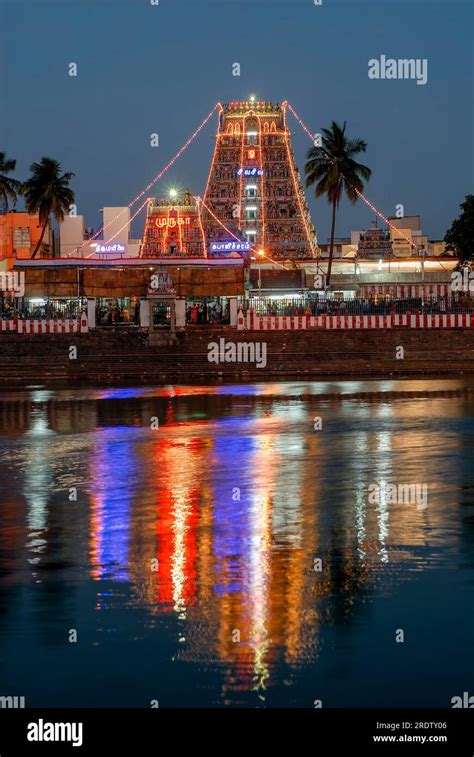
254,188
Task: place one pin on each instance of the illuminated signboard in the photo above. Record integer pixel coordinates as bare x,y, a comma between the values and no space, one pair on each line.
251,154
109,248
230,246
172,222
250,171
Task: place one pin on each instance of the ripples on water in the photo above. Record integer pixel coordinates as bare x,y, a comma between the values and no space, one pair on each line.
189,561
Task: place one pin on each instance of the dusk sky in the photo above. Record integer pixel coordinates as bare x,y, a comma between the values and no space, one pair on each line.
144,69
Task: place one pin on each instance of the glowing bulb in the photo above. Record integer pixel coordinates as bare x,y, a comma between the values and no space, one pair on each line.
261,252
252,98
173,193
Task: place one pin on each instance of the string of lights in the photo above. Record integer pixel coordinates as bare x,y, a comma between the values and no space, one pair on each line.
146,226
201,227
153,181
218,137
231,233
139,209
295,183
262,188
260,253
241,178
360,194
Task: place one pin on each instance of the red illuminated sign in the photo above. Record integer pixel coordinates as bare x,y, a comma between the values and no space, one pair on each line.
251,154
162,221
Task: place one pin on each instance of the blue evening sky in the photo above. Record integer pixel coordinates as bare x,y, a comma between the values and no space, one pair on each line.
145,69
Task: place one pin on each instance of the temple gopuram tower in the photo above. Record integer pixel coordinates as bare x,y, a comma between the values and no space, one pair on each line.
254,187
173,228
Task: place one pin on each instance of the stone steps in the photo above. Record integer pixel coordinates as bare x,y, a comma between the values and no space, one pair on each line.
115,357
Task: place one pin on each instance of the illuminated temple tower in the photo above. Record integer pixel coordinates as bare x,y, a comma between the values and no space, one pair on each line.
173,228
254,186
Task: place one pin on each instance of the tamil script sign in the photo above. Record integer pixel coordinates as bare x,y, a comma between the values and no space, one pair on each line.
172,222
107,248
229,246
250,171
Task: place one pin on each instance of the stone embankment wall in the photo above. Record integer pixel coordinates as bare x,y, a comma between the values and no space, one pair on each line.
118,357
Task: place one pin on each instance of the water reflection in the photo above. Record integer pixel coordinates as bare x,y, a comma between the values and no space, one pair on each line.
201,537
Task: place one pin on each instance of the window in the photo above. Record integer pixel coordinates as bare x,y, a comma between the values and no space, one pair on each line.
251,213
252,131
21,237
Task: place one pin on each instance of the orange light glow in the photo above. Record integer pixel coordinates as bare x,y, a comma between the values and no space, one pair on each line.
295,184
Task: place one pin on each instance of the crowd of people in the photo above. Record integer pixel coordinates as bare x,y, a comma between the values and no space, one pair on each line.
47,311
207,312
362,306
216,311
113,313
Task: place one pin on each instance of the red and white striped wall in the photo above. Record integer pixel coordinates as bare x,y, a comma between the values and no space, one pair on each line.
253,322
407,291
66,326
8,325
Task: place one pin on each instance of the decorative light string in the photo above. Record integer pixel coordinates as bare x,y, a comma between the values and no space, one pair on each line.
295,183
153,181
203,236
286,133
200,200
139,209
147,224
218,136
252,248
180,232
360,194
262,189
241,177
165,235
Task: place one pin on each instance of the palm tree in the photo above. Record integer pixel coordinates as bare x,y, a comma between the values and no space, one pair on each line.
333,169
46,192
9,187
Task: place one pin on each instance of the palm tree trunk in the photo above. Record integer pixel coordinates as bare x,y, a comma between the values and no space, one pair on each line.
331,245
38,244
